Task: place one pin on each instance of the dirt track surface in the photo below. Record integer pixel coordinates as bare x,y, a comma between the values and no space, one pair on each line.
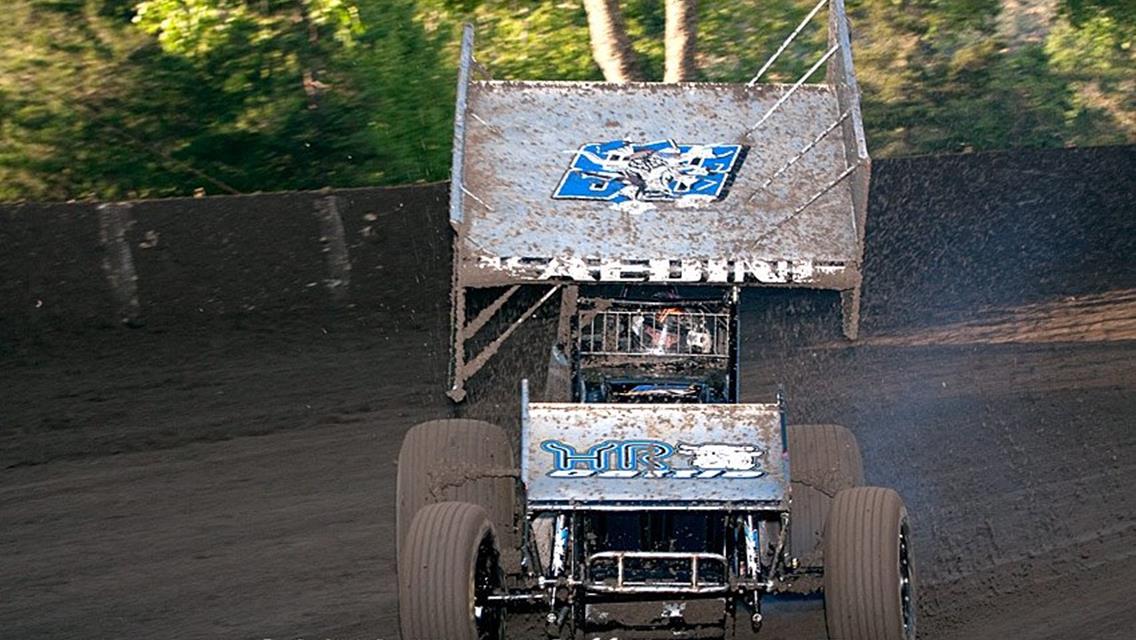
239,483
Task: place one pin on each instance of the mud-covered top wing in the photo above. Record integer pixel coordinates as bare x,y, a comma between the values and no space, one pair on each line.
738,207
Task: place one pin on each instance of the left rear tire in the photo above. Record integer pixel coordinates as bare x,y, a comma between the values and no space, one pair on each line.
456,460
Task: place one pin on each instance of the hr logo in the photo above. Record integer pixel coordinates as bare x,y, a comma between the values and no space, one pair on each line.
616,459
611,455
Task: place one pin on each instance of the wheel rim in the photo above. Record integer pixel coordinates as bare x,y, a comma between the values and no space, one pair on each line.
489,619
906,586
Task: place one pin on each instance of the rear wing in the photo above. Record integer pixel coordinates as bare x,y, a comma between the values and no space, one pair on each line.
560,184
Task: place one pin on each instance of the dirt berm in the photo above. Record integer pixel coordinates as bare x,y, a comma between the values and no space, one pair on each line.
235,478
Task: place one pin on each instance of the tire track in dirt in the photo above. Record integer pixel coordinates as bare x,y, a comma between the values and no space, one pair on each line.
1106,317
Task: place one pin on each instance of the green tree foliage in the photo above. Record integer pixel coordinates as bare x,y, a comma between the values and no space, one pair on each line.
112,99
941,76
143,98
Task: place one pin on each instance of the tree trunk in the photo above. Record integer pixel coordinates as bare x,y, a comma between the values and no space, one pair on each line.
682,30
1025,22
611,47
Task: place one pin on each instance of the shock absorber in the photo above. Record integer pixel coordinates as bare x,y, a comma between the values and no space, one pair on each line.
557,611
752,535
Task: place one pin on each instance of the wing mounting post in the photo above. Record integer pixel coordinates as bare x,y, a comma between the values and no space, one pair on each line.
461,369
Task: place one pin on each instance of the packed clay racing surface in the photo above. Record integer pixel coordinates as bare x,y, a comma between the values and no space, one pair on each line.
237,480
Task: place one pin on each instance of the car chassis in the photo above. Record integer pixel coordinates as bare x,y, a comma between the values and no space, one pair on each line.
648,499
716,467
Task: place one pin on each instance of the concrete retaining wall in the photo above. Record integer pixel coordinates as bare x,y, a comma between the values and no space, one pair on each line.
169,262
950,234
945,233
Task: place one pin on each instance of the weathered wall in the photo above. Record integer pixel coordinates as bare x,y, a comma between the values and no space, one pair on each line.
950,234
945,234
271,256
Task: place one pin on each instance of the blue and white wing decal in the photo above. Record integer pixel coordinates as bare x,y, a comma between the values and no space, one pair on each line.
620,171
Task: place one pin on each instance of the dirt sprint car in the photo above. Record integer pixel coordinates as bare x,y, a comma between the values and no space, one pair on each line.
648,500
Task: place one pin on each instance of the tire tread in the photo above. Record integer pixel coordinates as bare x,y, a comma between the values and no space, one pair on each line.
862,575
434,594
823,460
434,449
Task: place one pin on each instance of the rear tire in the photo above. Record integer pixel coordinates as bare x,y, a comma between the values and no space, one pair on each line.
456,460
449,563
869,577
824,459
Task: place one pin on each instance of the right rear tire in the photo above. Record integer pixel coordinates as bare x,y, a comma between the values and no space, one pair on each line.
448,565
869,573
824,459
456,460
